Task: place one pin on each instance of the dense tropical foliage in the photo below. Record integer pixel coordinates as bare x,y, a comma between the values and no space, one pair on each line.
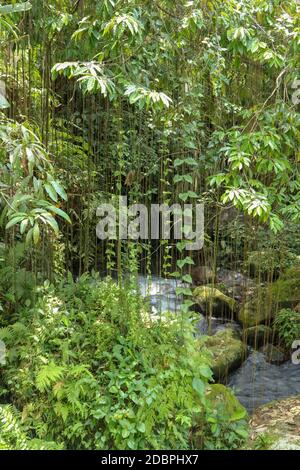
160,101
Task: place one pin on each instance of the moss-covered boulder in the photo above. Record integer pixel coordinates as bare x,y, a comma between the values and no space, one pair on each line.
213,302
262,307
228,353
276,426
235,284
286,290
256,336
258,309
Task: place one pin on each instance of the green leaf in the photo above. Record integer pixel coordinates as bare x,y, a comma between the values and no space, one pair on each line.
29,236
205,371
51,192
23,226
36,233
184,291
141,427
179,162
14,221
191,161
199,386
59,190
187,278
182,262
49,219
58,211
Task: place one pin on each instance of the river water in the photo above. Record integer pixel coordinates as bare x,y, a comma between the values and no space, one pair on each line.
256,382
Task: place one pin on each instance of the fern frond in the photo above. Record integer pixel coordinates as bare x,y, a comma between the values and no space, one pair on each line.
48,375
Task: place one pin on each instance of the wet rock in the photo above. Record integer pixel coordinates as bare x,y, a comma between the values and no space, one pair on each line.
235,283
217,324
202,325
274,354
256,336
214,303
258,309
228,353
286,290
211,326
263,305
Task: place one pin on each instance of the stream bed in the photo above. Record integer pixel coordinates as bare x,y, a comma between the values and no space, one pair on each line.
256,382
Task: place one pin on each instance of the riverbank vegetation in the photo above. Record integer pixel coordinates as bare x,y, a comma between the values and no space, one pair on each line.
160,102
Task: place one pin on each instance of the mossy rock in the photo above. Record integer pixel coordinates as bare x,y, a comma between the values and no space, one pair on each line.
256,336
259,309
286,290
263,306
223,397
213,302
228,352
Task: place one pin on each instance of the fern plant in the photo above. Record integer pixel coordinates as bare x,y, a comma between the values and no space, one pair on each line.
14,437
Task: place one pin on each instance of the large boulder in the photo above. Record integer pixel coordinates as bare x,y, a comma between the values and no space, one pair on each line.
228,353
286,290
258,309
235,284
214,303
257,336
264,304
276,426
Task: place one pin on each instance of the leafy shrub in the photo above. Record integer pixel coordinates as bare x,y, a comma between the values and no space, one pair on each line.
287,323
226,421
17,282
14,437
89,372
